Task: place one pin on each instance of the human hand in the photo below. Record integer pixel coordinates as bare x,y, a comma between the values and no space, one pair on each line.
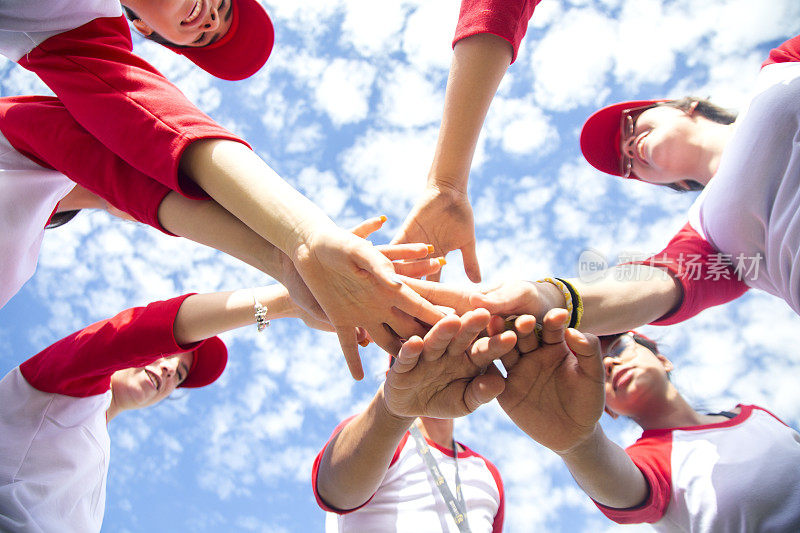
355,284
443,218
407,259
555,388
442,375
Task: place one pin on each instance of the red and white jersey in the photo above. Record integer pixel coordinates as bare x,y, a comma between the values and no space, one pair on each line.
81,49
28,195
744,228
408,500
742,474
54,449
37,136
28,23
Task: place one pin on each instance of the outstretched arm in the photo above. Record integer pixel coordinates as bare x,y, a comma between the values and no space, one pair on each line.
204,315
443,215
555,393
625,298
440,376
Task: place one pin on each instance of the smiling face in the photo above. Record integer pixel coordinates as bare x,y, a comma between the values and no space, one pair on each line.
635,376
184,22
659,145
134,388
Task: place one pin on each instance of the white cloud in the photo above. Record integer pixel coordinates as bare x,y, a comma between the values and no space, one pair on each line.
409,99
344,90
570,71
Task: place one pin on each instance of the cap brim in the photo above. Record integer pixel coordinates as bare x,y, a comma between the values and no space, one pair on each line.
600,142
209,362
243,50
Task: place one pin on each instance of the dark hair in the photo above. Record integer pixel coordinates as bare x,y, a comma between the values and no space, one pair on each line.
59,219
708,110
155,37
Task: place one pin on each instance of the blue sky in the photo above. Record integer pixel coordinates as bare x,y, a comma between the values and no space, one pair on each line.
347,110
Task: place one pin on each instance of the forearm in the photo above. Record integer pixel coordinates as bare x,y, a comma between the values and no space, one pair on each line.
479,63
624,298
206,222
204,315
357,458
606,473
248,188
627,297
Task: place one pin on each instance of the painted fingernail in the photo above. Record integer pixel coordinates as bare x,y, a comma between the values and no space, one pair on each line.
363,343
430,248
442,261
383,218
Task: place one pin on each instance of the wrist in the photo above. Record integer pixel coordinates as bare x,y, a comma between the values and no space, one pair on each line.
386,413
549,297
585,446
453,187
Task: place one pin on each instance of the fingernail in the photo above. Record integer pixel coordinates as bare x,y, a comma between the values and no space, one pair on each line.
383,218
396,279
442,261
363,343
430,248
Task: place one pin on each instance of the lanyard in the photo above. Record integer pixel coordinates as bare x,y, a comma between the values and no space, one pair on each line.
457,506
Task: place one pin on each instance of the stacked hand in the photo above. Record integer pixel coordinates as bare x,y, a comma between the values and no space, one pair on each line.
443,375
555,387
356,286
444,219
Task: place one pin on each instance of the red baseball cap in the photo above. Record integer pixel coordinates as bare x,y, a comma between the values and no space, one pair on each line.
242,51
600,142
207,365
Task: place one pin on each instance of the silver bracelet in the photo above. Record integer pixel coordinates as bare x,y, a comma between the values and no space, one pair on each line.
260,315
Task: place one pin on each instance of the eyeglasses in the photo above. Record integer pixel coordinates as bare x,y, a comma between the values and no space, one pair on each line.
627,125
620,344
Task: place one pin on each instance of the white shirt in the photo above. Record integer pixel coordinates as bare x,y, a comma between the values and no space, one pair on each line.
752,205
408,501
741,475
28,195
54,455
25,24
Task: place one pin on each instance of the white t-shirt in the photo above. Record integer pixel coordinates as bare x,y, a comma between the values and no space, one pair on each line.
54,454
741,474
751,208
25,24
28,195
408,501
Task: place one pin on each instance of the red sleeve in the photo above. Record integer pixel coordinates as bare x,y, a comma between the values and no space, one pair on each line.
40,128
122,100
705,279
497,525
652,456
315,469
787,52
505,18
81,365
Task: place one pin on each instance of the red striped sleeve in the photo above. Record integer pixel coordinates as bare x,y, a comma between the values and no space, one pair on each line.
651,454
40,128
505,18
787,52
122,100
81,364
704,280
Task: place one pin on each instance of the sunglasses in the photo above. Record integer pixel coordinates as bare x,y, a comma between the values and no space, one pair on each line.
620,344
627,125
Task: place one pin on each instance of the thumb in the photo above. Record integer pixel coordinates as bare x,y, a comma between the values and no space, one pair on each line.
469,256
587,352
483,389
